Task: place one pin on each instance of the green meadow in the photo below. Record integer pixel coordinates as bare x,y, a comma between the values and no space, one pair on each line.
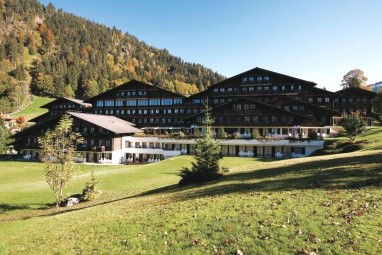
33,109
317,205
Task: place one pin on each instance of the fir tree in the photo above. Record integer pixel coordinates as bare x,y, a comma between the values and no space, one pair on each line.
207,156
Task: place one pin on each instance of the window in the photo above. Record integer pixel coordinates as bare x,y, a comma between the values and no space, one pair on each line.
259,88
154,102
196,101
143,102
216,101
274,87
319,100
166,101
237,107
216,90
251,79
274,119
247,118
259,78
286,108
310,99
251,89
266,88
99,103
246,107
291,87
255,118
252,106
266,78
119,103
244,79
109,103
283,87
131,102
222,100
327,99
222,90
178,101
142,93
229,90
350,100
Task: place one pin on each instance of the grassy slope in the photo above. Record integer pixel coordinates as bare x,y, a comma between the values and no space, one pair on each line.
34,109
329,205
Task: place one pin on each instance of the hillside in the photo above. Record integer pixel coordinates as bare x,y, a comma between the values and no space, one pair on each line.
317,205
53,53
326,205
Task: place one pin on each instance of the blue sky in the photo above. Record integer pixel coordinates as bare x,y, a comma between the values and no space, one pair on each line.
319,41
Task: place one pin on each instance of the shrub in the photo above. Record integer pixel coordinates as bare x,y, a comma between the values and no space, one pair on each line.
90,192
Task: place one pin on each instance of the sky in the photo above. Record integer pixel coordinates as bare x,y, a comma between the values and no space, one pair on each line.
314,40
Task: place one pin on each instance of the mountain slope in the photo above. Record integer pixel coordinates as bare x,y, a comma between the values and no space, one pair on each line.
53,53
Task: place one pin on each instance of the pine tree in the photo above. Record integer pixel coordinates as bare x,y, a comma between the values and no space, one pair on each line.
207,156
353,124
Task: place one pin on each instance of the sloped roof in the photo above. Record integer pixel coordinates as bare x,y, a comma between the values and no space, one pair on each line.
250,100
111,123
76,101
258,70
356,89
126,86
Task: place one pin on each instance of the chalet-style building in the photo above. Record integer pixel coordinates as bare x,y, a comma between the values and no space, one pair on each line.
141,104
59,106
280,108
102,135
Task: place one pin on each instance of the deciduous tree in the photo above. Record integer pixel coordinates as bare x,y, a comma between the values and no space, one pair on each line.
58,150
354,78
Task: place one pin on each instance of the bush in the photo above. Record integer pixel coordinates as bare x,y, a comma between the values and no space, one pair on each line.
312,135
90,192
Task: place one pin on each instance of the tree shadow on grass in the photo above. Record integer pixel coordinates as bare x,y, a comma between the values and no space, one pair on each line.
339,173
352,172
4,208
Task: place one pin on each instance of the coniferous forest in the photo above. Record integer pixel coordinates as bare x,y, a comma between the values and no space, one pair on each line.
48,52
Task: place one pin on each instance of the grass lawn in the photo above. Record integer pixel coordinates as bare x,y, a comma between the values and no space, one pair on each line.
326,205
34,110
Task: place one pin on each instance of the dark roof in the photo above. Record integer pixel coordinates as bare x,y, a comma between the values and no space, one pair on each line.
263,71
317,107
40,117
356,89
76,101
111,123
251,100
326,91
126,85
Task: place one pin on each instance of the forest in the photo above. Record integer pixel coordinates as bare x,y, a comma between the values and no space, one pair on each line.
48,52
